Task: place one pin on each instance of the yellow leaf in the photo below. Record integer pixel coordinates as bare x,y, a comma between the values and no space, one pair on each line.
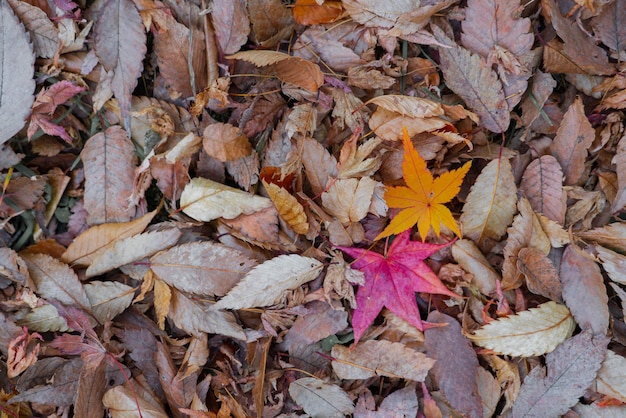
422,199
288,207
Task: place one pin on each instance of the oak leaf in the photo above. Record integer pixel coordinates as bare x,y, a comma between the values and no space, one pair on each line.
422,200
392,281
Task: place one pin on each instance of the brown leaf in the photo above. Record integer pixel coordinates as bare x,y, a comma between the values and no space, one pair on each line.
44,34
580,48
230,20
610,25
620,168
225,142
93,242
542,86
56,280
572,367
612,235
120,44
319,164
171,46
584,291
334,48
195,317
294,70
271,21
507,43
203,268
526,231
542,184
468,255
380,358
572,141
121,402
128,250
91,387
469,76
541,275
12,268
16,97
108,299
109,159
456,364
349,199
20,357
318,322
309,12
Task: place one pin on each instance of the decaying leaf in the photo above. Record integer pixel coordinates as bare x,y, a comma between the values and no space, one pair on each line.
225,142
529,333
380,358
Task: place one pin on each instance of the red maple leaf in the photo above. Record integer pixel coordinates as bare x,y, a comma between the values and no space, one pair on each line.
392,281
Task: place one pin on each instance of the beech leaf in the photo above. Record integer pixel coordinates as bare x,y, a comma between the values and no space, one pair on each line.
109,159
380,358
265,284
92,243
529,333
17,63
422,202
392,281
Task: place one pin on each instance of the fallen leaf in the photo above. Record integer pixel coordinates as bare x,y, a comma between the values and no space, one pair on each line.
469,76
610,379
572,141
266,283
541,275
529,333
20,357
542,184
422,202
456,364
225,142
109,159
288,208
205,200
203,268
490,205
309,12
122,402
401,403
572,367
230,20
392,281
320,399
44,33
108,299
16,97
46,104
349,199
584,291
120,44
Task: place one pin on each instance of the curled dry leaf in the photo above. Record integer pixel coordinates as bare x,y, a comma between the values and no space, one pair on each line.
19,357
468,255
205,200
265,284
349,199
529,333
380,358
288,208
611,379
613,263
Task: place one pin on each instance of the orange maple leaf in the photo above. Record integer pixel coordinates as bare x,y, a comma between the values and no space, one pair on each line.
422,199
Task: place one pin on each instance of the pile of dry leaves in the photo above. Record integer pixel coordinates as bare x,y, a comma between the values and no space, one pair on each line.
314,208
